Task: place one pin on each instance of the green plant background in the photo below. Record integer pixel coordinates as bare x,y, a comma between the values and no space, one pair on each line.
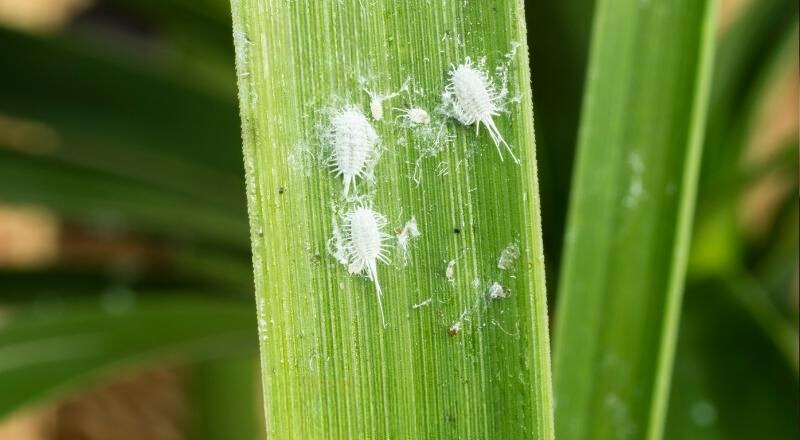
141,144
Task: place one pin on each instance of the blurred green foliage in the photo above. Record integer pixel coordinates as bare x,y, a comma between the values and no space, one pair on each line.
141,98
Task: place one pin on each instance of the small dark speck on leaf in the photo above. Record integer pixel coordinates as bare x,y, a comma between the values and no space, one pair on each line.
456,231
281,190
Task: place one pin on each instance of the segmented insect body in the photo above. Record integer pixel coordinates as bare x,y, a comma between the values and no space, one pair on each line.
355,145
365,245
474,100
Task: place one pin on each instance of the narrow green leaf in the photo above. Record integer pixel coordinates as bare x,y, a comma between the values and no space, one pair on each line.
630,216
20,288
105,110
105,199
51,348
450,362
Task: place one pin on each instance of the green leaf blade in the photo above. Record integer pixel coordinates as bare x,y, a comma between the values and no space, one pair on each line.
330,370
630,217
48,350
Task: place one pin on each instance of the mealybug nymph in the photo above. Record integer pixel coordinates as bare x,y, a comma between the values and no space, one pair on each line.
471,98
415,116
365,245
376,107
355,144
376,103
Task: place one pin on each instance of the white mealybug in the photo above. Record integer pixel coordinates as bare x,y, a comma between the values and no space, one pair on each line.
471,98
376,107
376,103
355,144
415,116
365,245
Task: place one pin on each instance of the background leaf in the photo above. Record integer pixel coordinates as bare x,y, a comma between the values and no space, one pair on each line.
64,344
630,217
